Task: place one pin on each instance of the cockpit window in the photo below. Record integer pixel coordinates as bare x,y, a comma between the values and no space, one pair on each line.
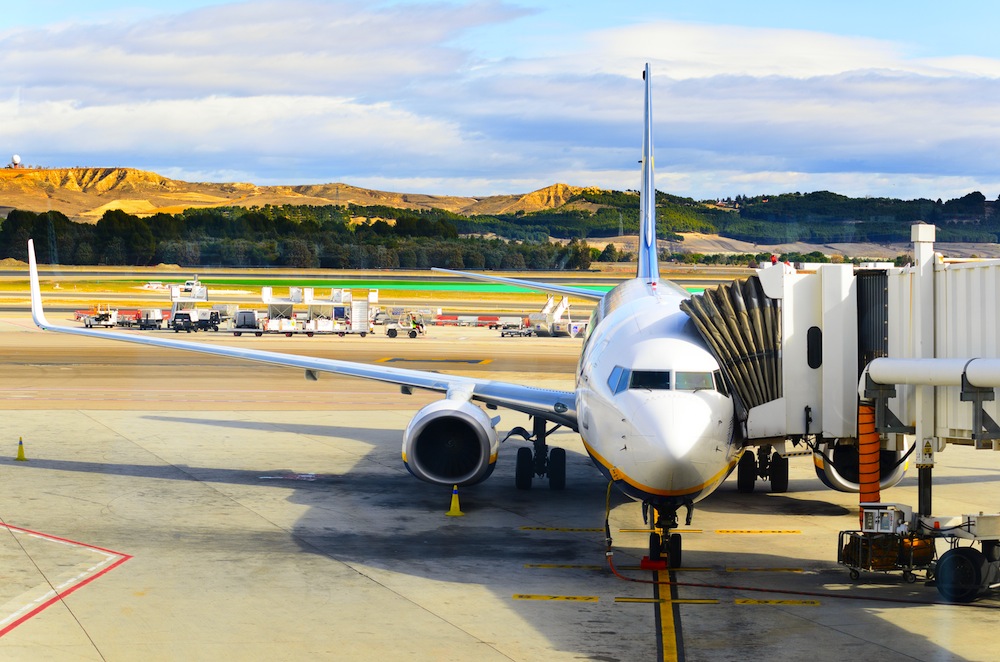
694,381
618,381
650,379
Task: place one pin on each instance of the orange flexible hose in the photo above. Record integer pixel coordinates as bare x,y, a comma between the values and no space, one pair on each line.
869,450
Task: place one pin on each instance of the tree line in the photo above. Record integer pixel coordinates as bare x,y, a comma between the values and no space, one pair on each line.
370,237
290,236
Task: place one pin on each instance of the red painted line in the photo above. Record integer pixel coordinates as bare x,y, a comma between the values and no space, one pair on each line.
60,595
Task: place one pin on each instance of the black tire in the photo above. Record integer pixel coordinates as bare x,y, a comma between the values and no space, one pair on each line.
258,333
779,474
959,574
237,333
524,469
674,551
288,335
557,468
341,334
412,333
746,473
391,333
655,546
364,333
215,327
309,334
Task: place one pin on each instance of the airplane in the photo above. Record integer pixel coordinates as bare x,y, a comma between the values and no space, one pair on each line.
650,402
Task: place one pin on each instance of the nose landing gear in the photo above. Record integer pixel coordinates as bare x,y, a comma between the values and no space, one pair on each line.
664,546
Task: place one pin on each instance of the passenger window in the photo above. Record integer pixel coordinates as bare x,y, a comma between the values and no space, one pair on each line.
694,381
650,379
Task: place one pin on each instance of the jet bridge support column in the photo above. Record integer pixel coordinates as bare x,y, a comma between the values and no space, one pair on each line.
922,324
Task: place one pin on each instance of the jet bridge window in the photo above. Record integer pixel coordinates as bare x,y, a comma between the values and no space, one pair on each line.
650,379
694,381
618,381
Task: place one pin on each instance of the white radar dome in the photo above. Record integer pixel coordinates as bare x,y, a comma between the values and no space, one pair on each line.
16,159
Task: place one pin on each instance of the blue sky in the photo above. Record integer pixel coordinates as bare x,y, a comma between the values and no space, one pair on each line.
886,98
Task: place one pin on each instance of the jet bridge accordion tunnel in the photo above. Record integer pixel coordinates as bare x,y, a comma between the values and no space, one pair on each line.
792,346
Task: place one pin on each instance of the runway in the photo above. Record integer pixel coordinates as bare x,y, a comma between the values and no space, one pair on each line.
180,507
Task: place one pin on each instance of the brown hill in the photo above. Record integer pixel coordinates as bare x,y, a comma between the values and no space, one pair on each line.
84,194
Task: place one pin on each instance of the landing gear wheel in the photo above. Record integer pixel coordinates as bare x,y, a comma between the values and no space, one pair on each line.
779,473
524,469
674,551
960,574
746,473
557,468
655,546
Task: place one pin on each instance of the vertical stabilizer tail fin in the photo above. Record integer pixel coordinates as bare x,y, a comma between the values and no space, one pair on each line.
648,268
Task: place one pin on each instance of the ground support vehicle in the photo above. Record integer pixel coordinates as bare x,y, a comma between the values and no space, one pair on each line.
886,552
246,321
209,319
408,325
517,332
101,316
183,322
150,318
501,322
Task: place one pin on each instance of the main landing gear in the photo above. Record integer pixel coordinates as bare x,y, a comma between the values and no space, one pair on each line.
665,546
540,460
765,465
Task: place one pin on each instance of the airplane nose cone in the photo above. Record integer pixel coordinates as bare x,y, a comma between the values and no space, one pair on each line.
670,431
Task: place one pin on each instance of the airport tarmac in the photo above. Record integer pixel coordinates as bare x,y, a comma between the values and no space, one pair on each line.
174,506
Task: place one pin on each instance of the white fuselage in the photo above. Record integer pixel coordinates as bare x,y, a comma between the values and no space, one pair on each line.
652,410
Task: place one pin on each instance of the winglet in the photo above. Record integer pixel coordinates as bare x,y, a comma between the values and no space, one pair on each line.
37,314
648,268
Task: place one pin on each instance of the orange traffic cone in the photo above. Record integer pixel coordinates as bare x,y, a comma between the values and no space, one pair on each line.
454,511
20,451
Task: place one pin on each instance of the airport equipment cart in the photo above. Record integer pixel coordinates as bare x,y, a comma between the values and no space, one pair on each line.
886,543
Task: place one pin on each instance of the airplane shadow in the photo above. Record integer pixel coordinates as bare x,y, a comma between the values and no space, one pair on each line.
373,514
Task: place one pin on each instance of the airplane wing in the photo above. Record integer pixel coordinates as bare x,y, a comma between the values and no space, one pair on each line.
552,405
567,290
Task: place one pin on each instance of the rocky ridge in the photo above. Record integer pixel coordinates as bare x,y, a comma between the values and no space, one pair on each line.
84,194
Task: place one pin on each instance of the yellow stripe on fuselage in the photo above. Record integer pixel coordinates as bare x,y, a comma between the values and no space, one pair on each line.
618,474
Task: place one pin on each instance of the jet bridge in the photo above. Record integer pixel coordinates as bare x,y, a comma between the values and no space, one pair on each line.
806,351
792,344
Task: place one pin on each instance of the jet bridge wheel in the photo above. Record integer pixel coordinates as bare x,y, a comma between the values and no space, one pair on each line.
746,473
959,574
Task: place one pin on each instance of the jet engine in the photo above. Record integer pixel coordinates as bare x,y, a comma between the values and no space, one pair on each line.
837,467
451,442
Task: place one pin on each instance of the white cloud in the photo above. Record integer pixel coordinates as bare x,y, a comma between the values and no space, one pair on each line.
301,92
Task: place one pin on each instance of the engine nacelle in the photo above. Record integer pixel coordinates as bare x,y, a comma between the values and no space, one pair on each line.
837,467
451,442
